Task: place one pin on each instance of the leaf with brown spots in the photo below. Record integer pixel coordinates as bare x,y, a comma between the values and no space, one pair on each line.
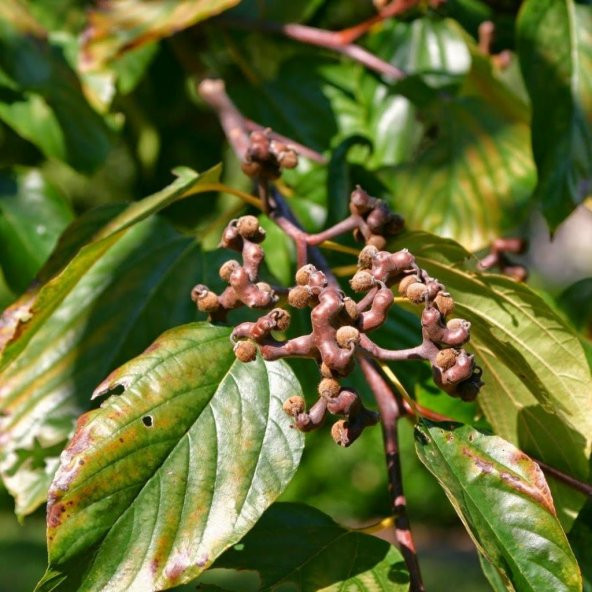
174,469
504,502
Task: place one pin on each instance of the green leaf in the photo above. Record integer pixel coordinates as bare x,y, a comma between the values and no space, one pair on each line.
580,538
576,302
555,52
41,99
168,474
504,502
43,302
32,216
138,288
473,181
299,548
120,26
538,388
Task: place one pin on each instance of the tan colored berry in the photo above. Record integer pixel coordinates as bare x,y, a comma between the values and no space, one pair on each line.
416,292
304,273
227,268
245,351
341,434
265,287
362,281
376,240
326,372
329,388
299,297
247,226
282,318
351,308
444,303
346,336
406,282
294,406
251,169
446,358
288,159
208,302
366,256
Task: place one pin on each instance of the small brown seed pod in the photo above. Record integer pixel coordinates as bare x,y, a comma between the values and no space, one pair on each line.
378,218
206,300
281,317
304,273
325,371
245,351
366,256
251,169
350,308
402,260
457,332
294,406
444,303
265,288
362,281
344,432
299,296
347,336
376,240
247,226
406,282
227,268
329,388
416,292
288,159
446,358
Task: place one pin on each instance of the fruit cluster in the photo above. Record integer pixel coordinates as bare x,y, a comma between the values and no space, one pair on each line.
340,324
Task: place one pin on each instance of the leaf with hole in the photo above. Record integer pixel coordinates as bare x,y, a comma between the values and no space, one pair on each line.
138,288
175,467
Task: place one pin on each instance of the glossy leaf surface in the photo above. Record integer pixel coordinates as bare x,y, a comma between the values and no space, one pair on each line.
470,183
502,498
555,48
32,217
538,387
299,548
138,288
173,470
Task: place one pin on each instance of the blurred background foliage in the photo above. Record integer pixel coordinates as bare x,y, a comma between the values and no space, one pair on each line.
98,104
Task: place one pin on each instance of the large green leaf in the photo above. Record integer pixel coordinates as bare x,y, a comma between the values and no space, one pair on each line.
32,216
299,548
504,502
41,97
580,538
138,288
555,48
168,474
472,181
119,26
538,388
43,302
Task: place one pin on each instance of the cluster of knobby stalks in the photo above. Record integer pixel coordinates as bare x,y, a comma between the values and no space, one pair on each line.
340,324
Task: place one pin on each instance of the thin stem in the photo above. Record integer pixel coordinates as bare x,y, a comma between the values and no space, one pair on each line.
322,38
425,351
390,411
342,227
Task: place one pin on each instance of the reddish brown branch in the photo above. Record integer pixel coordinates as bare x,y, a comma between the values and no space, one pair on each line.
326,39
390,411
